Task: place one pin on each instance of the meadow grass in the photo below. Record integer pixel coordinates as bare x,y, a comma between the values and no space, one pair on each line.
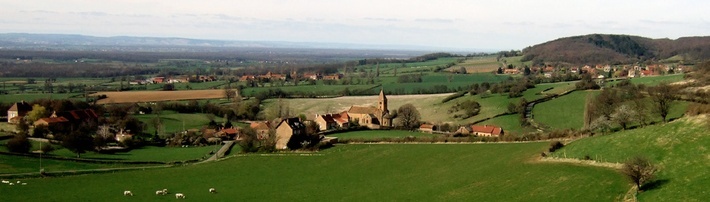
429,172
679,148
563,112
567,112
29,97
173,122
19,164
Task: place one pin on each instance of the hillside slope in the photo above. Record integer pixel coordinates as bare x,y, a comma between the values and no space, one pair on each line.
616,49
680,148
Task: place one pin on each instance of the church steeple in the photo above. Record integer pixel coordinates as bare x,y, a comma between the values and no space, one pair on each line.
382,104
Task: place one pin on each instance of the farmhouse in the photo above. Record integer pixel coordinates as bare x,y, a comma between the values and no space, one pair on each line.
486,131
229,133
464,130
333,77
50,121
18,111
372,117
261,128
286,130
325,122
122,136
511,71
312,76
427,128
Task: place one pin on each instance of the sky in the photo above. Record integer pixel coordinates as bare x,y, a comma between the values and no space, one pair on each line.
453,24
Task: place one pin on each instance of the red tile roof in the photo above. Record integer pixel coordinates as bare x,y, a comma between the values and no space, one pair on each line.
487,129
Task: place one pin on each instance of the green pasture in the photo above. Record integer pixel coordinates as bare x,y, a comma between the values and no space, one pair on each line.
428,172
563,112
655,80
376,134
318,89
679,148
567,112
20,164
175,122
10,98
480,64
509,123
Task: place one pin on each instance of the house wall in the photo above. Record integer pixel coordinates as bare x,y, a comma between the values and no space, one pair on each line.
283,135
10,115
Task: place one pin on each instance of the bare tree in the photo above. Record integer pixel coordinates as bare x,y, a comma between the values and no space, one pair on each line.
639,170
408,116
663,97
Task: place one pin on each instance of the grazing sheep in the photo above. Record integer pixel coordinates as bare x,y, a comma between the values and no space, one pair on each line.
159,192
179,195
212,190
165,190
5,181
18,182
127,193
11,184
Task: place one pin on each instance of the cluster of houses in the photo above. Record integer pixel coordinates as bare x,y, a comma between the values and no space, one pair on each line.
598,70
175,79
273,76
472,130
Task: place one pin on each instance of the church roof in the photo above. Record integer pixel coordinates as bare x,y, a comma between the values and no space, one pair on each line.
363,110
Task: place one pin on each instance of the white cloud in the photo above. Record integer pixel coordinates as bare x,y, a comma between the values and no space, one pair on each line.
449,23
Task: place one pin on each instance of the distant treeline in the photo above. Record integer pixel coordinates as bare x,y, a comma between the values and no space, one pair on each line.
8,69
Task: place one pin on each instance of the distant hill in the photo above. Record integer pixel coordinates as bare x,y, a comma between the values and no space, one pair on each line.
25,41
617,49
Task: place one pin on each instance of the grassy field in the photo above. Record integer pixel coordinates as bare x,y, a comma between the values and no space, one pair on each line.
429,106
564,112
486,172
9,98
373,134
318,89
655,80
485,64
679,148
18,164
155,96
175,122
509,123
568,111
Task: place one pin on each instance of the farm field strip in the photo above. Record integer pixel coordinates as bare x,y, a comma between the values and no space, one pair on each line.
351,173
156,96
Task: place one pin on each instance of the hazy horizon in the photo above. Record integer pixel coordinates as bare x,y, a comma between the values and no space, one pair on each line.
453,24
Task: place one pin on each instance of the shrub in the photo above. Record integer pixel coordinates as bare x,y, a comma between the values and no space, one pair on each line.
19,144
47,148
639,170
554,146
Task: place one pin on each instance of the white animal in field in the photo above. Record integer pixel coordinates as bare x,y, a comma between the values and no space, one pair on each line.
11,184
212,190
5,181
179,195
24,183
127,193
18,182
160,192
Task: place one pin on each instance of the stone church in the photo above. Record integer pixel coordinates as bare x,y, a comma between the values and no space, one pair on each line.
372,117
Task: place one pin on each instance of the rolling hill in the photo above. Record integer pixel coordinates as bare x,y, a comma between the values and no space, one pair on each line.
617,49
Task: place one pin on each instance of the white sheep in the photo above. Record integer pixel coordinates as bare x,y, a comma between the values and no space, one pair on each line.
5,181
212,190
11,184
159,192
179,195
127,193
165,190
18,182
